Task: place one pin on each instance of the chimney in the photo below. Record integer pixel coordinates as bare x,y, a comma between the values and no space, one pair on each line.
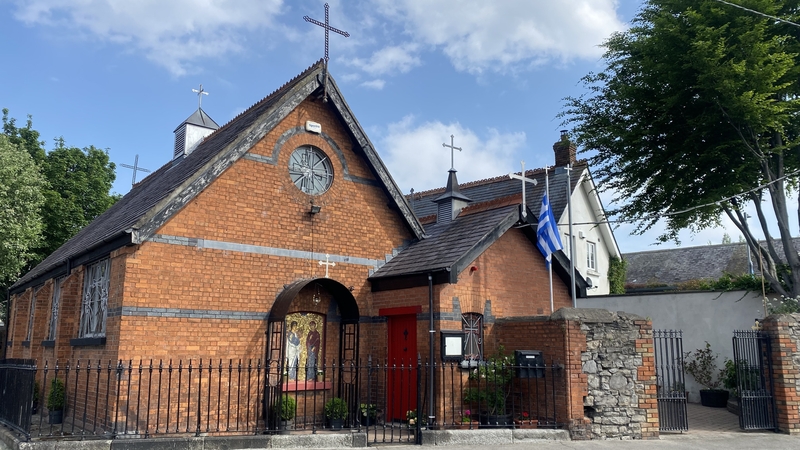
452,201
565,150
192,131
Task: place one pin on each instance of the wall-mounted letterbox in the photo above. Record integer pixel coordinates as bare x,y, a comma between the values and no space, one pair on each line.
530,362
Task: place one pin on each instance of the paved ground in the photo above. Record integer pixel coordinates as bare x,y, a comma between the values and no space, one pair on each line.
709,428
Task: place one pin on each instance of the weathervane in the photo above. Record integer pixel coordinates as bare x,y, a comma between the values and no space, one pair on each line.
327,28
452,151
200,93
135,168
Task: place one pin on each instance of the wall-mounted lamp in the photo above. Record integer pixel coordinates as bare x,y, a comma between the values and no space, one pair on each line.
316,298
315,209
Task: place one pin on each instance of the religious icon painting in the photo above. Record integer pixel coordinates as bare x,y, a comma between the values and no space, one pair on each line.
305,333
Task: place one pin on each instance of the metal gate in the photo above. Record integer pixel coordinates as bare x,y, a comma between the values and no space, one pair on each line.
752,358
668,346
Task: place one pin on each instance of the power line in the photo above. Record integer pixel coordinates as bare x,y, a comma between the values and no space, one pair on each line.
759,13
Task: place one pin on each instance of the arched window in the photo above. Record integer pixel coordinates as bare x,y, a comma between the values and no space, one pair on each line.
472,326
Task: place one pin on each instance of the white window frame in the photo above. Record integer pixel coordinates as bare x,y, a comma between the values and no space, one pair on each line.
55,306
94,304
591,255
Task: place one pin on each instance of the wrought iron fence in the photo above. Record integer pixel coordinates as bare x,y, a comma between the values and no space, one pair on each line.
672,412
752,359
17,394
388,400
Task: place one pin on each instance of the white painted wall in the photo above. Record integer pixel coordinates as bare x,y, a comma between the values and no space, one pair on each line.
587,211
702,316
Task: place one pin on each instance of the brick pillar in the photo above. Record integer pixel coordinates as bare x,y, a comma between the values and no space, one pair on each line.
784,331
647,377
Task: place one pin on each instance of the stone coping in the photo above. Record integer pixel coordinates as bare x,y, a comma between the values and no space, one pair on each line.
337,440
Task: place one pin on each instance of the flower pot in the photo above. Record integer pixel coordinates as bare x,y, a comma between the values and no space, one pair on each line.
56,417
320,378
526,424
496,421
470,425
284,426
336,424
714,398
367,421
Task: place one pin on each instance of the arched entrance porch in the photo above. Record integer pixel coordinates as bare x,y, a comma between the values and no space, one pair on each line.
311,348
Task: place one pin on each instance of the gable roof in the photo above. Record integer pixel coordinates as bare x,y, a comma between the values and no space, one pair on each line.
450,247
424,204
679,265
151,202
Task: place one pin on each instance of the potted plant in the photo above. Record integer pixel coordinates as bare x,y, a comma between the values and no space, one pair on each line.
56,401
336,412
320,376
35,406
466,421
702,366
524,420
287,408
369,412
490,387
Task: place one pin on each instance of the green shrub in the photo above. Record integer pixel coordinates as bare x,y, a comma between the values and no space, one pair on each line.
336,408
55,398
702,365
287,408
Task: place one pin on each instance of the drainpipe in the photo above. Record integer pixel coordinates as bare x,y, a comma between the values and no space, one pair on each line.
431,332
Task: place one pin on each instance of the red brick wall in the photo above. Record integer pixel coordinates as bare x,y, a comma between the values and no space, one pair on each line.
784,332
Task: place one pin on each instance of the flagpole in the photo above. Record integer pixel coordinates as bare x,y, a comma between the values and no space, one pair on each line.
550,267
571,237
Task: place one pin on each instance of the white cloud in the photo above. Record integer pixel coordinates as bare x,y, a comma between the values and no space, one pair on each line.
415,156
389,59
173,34
478,35
374,84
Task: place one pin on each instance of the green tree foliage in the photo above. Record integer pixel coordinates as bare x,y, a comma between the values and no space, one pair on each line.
78,189
699,102
22,198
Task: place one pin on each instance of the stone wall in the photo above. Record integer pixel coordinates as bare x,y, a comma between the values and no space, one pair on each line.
619,365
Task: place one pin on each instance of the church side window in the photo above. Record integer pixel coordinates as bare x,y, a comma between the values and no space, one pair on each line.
94,304
31,311
472,326
54,308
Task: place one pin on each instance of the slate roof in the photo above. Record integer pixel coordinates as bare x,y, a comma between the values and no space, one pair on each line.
446,244
493,188
201,119
152,196
679,265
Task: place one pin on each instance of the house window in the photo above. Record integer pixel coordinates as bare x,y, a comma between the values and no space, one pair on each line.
94,304
591,255
54,307
472,326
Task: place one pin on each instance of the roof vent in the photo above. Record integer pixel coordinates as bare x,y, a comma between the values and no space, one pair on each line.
192,131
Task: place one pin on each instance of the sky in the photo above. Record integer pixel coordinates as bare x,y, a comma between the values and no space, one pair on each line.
119,74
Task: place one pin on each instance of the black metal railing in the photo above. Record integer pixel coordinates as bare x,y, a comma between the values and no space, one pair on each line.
668,348
388,400
17,394
752,359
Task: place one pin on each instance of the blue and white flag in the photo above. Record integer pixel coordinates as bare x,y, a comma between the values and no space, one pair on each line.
547,236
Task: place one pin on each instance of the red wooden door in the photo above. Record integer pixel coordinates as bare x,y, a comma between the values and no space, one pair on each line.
402,376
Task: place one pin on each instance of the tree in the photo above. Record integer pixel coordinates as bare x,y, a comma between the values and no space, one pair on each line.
78,188
21,186
695,116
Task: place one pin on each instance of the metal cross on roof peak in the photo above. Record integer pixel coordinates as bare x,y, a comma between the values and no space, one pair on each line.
327,28
135,168
200,93
452,151
521,176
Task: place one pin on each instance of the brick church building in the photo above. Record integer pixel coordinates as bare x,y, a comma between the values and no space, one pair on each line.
281,236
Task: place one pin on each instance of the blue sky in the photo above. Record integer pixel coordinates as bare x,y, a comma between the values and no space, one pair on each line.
118,74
